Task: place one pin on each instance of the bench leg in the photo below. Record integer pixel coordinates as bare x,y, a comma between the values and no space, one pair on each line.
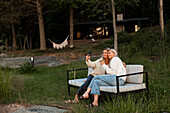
147,94
68,90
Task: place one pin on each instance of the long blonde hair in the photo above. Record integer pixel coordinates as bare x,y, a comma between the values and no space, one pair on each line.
102,58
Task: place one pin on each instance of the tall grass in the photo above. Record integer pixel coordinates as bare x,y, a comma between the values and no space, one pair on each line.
5,83
123,105
137,104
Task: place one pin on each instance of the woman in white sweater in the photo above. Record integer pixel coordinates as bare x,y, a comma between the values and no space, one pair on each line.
114,69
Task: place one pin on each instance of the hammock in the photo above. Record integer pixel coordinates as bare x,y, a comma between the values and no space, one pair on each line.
60,46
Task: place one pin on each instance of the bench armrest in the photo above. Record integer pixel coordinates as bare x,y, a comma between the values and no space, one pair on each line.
68,72
117,79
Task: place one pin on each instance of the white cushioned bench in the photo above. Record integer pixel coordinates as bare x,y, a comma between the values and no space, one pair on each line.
134,81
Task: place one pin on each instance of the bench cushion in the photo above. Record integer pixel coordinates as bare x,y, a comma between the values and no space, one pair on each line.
134,69
125,88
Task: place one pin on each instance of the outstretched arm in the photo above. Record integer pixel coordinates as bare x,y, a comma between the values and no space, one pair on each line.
90,63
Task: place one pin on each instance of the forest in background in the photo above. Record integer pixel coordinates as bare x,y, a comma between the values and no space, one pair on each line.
20,20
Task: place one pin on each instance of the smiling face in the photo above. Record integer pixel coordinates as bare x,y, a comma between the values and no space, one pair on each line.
105,54
111,54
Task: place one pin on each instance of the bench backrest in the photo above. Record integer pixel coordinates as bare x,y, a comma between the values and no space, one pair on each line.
131,69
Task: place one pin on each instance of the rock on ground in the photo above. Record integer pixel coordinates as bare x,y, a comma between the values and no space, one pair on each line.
41,109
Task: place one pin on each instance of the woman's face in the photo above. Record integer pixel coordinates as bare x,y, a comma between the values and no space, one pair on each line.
111,54
105,54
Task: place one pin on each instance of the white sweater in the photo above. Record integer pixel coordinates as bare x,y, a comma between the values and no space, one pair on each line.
115,67
98,69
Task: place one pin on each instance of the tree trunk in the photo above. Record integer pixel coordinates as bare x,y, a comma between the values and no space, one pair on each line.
114,27
25,39
71,28
30,43
14,45
41,26
6,43
27,42
161,20
20,42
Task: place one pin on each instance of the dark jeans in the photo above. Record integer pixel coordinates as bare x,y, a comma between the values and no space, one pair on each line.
85,85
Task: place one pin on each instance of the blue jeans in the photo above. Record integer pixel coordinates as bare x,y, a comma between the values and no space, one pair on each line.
103,80
85,85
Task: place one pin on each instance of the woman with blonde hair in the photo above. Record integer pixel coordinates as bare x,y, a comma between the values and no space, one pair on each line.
115,68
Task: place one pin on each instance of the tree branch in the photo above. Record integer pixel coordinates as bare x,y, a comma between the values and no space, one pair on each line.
30,4
25,15
2,8
33,19
30,1
49,11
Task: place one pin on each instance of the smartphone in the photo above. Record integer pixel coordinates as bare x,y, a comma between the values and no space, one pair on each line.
89,53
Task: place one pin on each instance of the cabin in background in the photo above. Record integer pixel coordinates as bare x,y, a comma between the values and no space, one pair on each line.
104,29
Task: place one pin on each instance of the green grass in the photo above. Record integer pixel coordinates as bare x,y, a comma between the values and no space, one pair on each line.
49,87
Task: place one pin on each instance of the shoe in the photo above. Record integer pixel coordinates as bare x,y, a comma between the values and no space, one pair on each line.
82,97
71,101
91,105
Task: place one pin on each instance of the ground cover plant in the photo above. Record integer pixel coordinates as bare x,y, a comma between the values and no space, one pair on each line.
48,86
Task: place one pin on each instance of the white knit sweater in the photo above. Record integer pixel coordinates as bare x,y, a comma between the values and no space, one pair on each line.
115,67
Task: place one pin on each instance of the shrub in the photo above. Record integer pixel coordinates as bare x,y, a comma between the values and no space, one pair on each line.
146,42
27,68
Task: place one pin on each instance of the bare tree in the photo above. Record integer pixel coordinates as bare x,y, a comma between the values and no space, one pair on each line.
37,4
14,45
41,26
114,27
71,27
161,19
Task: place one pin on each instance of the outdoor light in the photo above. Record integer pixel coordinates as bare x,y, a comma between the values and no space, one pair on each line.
32,61
137,28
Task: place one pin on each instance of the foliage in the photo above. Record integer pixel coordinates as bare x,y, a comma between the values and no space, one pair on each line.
25,16
27,67
146,42
12,11
5,82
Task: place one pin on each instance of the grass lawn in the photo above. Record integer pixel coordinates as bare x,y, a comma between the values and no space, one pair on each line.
49,87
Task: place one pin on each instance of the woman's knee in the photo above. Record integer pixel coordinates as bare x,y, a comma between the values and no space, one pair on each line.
121,82
95,77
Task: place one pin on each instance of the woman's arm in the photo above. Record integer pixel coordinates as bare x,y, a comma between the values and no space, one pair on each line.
91,64
113,66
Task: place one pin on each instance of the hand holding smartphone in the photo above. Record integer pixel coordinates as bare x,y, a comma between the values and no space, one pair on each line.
88,56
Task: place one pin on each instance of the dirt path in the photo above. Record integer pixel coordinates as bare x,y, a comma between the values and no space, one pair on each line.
48,61
10,108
